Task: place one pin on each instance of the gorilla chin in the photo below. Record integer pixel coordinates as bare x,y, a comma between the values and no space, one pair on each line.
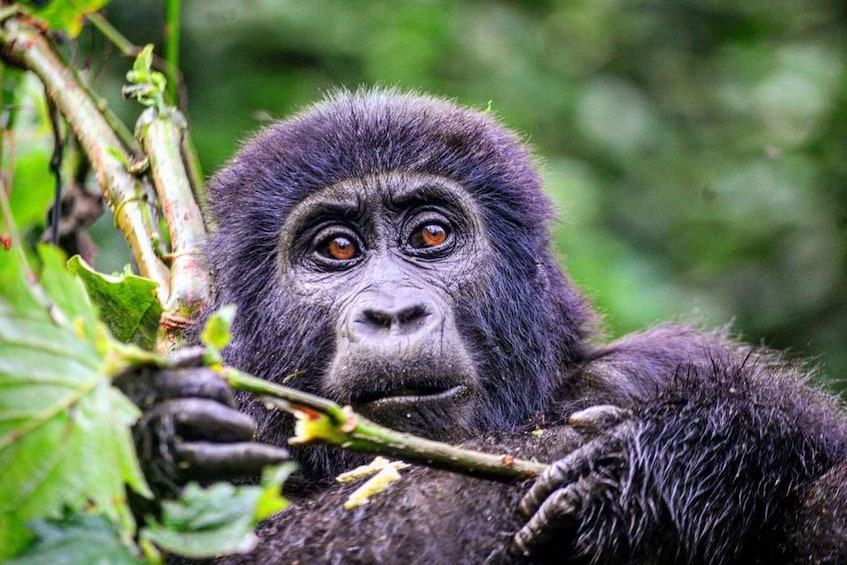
416,392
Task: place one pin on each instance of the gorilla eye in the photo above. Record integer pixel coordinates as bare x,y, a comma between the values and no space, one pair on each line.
428,235
339,248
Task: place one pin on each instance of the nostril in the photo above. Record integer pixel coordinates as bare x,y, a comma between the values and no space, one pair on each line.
402,321
377,319
411,314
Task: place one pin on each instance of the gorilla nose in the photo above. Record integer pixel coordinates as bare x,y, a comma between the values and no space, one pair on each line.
392,316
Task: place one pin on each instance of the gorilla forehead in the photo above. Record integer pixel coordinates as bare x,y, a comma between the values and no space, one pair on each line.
391,190
351,135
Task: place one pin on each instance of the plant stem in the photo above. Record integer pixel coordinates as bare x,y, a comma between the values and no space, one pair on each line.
124,45
344,428
240,380
195,177
161,138
24,45
9,222
172,27
128,50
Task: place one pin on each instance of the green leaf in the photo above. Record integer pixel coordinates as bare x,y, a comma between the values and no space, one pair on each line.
219,519
144,61
271,500
146,85
76,539
216,332
67,16
127,303
207,522
64,430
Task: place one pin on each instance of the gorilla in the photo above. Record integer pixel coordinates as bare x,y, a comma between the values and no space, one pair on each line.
391,251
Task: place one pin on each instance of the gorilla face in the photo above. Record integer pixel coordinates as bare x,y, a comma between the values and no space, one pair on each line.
387,256
391,251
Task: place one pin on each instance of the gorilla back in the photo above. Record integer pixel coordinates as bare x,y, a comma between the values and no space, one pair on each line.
391,251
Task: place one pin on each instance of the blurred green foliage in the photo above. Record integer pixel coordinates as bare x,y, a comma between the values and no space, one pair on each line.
696,150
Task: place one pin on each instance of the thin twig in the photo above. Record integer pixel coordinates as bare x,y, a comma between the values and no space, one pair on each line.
124,45
9,220
56,169
129,49
329,423
172,29
195,177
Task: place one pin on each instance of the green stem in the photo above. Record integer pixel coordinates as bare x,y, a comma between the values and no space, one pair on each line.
161,138
296,398
351,431
127,49
9,221
124,45
172,28
195,176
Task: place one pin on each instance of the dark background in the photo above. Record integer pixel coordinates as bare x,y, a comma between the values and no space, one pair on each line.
696,151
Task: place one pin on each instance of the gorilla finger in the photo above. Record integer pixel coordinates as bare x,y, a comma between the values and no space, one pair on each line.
556,515
210,461
187,357
201,382
580,462
203,419
560,473
147,386
597,419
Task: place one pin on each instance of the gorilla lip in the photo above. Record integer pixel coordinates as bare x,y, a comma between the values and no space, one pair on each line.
416,395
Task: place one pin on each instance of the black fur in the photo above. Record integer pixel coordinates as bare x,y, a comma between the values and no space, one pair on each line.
520,358
728,456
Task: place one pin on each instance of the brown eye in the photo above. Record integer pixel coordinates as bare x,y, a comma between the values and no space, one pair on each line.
429,235
341,249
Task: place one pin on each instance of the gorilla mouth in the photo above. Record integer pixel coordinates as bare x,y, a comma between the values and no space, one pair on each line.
434,410
423,393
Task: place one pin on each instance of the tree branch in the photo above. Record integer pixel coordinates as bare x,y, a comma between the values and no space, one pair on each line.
161,138
23,45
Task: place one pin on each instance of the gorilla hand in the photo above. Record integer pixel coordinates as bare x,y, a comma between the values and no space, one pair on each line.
190,428
565,491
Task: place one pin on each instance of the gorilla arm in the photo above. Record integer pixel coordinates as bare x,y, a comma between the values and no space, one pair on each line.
728,462
429,516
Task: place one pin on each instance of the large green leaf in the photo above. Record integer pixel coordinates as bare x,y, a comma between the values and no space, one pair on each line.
64,430
128,303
